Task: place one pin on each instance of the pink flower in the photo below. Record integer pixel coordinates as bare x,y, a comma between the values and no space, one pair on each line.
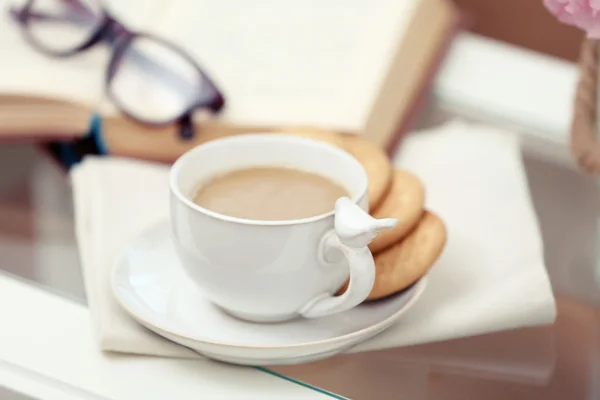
584,14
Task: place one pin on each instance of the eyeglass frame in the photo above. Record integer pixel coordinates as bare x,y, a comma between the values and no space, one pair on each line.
110,30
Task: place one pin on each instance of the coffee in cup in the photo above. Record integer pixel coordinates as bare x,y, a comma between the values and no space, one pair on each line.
269,194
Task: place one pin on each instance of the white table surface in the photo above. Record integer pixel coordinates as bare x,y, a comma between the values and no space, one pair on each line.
46,343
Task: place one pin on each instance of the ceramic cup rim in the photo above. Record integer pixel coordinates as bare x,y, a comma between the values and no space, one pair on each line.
179,164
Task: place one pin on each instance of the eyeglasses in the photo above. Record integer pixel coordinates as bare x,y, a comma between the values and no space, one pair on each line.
149,79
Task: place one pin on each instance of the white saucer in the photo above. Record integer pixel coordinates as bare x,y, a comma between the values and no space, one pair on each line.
150,285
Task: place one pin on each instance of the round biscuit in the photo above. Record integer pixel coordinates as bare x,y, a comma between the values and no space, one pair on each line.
377,164
404,263
332,138
404,201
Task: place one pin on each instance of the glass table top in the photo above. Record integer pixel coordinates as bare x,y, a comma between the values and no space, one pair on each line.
8,394
37,244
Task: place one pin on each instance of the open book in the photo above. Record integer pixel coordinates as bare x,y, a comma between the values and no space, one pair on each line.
354,66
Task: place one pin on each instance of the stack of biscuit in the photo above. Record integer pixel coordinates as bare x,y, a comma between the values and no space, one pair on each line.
405,253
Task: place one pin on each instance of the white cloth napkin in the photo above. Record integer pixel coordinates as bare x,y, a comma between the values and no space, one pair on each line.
490,277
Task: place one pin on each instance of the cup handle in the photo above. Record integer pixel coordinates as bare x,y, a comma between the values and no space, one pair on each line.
353,230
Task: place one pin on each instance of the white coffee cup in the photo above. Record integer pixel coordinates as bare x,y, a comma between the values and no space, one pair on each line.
270,271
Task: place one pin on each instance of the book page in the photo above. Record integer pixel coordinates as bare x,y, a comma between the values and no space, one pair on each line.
27,72
282,62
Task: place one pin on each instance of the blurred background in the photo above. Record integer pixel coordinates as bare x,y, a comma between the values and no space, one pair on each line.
524,23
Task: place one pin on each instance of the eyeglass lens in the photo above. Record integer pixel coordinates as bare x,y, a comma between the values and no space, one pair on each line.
155,82
60,26
150,79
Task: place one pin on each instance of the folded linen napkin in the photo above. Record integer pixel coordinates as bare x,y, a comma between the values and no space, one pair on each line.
490,277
